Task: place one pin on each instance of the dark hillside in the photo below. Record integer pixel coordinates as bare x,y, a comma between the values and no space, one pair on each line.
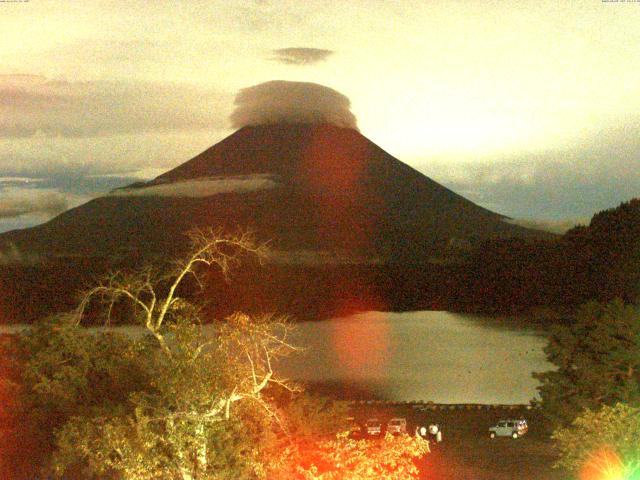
600,261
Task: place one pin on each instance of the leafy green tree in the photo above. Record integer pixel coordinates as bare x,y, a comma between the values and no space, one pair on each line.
172,400
308,415
602,443
607,253
15,432
50,364
597,362
171,403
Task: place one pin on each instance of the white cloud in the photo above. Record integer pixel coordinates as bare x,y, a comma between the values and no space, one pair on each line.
280,101
16,202
16,180
147,173
31,104
43,156
204,187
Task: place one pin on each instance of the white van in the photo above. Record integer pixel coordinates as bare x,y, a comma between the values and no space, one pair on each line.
509,428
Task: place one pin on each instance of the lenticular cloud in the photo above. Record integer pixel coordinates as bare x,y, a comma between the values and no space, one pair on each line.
280,101
202,187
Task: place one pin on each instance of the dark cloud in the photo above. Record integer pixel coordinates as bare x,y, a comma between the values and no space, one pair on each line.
31,104
301,55
16,202
280,101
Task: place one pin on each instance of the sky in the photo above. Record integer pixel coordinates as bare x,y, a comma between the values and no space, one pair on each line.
529,108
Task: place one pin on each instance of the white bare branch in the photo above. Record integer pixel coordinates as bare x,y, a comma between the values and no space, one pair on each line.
236,365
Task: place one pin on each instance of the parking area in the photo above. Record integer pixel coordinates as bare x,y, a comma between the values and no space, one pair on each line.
467,451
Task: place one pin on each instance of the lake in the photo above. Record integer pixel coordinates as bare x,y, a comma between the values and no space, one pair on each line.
427,355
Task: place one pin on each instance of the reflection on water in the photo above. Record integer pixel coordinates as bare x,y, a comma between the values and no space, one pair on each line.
437,356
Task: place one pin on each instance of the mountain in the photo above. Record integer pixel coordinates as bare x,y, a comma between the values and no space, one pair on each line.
325,188
324,196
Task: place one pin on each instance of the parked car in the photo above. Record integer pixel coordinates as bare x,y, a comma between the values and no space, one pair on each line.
355,429
513,428
397,425
373,427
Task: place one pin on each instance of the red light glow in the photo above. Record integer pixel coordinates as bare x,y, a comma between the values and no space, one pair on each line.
359,348
604,464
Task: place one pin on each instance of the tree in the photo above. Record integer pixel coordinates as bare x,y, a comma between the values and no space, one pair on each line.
173,403
318,445
607,253
344,458
602,444
597,360
16,436
179,401
311,416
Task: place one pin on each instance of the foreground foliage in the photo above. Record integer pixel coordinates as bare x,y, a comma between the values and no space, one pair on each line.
597,360
172,400
602,444
343,458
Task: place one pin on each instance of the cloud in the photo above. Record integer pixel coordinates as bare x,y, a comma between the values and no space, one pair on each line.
19,180
280,101
552,226
15,202
599,173
42,156
202,187
30,104
551,190
146,174
301,55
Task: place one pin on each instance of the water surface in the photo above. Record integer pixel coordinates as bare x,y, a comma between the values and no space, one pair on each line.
428,355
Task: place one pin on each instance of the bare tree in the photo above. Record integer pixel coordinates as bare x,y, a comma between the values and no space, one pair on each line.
209,248
197,377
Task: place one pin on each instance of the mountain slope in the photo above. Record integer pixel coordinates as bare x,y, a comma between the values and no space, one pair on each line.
325,188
